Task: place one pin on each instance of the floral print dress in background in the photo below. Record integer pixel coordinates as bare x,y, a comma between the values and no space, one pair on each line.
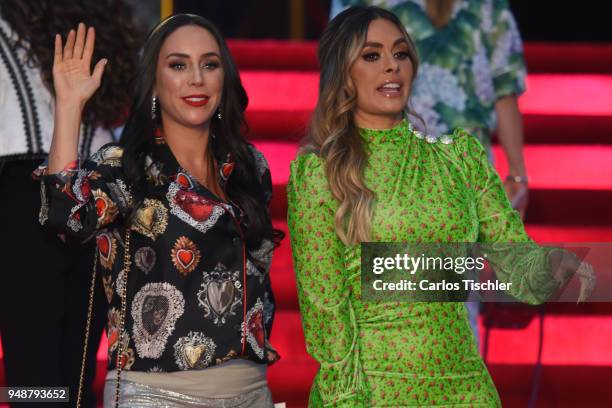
404,354
465,66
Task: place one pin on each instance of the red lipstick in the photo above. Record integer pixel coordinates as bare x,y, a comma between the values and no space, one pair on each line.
196,100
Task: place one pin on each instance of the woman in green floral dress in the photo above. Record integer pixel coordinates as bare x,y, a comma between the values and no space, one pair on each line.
365,175
471,72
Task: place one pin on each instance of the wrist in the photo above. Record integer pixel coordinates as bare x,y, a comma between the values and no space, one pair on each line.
516,167
69,106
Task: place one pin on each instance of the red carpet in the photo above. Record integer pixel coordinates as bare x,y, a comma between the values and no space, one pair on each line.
558,108
548,94
541,57
568,124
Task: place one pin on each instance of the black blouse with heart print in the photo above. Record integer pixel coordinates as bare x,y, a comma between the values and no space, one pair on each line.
196,296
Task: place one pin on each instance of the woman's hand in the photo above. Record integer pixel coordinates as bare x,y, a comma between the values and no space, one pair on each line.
565,264
518,194
73,80
74,84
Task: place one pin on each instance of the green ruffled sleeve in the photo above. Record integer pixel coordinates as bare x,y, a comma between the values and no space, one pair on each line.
511,253
323,291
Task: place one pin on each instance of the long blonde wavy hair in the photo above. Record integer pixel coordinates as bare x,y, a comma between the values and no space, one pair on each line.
332,133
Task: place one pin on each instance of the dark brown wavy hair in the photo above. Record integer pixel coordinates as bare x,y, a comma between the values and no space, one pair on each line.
117,38
243,188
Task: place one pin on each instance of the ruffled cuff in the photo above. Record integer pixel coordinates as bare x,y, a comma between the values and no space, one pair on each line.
272,355
66,192
342,383
43,171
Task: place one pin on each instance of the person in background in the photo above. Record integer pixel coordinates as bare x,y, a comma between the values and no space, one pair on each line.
45,285
365,175
471,73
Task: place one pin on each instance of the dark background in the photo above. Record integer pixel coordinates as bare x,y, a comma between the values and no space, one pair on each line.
556,21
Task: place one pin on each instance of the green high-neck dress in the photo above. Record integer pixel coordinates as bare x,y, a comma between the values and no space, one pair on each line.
403,353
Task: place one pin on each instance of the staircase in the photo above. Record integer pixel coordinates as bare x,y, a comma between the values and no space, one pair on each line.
568,125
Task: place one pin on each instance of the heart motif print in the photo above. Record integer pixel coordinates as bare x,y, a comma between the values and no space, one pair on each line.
220,294
107,249
105,208
185,255
255,331
192,208
145,259
155,310
151,218
194,351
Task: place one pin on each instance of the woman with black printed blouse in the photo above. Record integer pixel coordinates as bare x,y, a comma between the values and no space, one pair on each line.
181,204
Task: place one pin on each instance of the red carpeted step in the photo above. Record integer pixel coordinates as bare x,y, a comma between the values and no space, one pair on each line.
569,57
290,381
554,207
570,185
568,340
568,94
567,129
281,104
541,57
570,207
560,386
550,94
549,166
278,55
281,273
569,233
539,129
564,167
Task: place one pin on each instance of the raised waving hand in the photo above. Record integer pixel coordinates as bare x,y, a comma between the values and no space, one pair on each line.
73,80
74,84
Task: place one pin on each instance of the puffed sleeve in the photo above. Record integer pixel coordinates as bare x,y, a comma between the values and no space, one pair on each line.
259,259
80,200
324,295
511,253
505,49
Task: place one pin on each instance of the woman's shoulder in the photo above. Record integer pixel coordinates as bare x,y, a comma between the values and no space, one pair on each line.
467,144
261,163
307,165
308,181
457,141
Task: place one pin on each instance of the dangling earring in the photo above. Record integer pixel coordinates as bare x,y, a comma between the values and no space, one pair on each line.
219,115
154,108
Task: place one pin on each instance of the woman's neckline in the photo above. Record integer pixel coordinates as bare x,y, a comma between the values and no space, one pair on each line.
401,123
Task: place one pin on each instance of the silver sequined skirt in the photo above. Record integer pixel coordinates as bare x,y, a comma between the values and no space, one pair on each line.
136,395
